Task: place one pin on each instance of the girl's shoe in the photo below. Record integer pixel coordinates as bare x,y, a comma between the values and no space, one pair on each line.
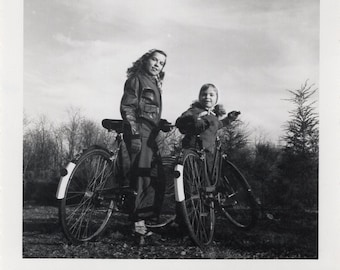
143,236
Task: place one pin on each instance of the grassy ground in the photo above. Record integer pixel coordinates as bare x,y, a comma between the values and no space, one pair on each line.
283,235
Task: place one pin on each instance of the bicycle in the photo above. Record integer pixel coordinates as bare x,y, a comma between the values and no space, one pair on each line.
90,191
203,193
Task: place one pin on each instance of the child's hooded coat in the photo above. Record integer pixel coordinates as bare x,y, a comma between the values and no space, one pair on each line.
200,121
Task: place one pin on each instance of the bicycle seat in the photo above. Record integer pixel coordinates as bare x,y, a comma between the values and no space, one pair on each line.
113,124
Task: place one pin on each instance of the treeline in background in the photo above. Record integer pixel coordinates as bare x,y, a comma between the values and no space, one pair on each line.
283,177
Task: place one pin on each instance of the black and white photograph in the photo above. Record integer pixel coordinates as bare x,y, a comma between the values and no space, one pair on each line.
171,129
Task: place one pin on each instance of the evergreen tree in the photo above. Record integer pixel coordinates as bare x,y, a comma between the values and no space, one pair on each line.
299,163
302,133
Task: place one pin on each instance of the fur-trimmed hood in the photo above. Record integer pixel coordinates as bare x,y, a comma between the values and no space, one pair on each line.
218,109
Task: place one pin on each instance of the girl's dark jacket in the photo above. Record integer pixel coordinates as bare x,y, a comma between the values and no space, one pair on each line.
200,121
141,102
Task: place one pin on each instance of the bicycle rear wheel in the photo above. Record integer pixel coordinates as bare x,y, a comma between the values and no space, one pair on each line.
235,197
197,209
85,209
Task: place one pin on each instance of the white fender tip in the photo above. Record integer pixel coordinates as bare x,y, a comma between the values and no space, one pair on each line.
178,182
64,181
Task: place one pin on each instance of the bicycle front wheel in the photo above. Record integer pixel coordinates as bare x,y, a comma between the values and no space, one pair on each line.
235,197
197,209
84,211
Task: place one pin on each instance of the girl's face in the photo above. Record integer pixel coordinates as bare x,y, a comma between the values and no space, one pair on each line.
208,98
155,64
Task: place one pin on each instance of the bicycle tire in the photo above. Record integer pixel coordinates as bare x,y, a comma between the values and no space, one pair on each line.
83,213
197,211
235,197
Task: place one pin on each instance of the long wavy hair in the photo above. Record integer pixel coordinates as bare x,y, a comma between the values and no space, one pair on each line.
139,65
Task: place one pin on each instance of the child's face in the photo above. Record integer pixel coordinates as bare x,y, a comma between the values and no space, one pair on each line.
208,98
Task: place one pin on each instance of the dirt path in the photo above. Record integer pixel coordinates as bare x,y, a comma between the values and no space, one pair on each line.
43,238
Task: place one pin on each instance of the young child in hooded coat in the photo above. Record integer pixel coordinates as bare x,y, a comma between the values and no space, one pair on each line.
204,118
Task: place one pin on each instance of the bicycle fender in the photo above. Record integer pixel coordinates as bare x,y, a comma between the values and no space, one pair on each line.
64,180
95,146
178,183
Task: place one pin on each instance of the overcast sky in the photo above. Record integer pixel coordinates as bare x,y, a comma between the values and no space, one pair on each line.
76,54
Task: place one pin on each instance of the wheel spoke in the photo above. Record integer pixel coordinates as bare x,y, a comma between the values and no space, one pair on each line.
236,200
199,214
85,210
77,226
79,206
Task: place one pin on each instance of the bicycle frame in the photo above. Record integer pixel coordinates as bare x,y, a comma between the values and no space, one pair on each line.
214,176
215,172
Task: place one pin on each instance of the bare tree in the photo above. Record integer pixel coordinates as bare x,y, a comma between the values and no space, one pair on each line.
39,149
71,131
60,148
89,133
234,137
28,149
